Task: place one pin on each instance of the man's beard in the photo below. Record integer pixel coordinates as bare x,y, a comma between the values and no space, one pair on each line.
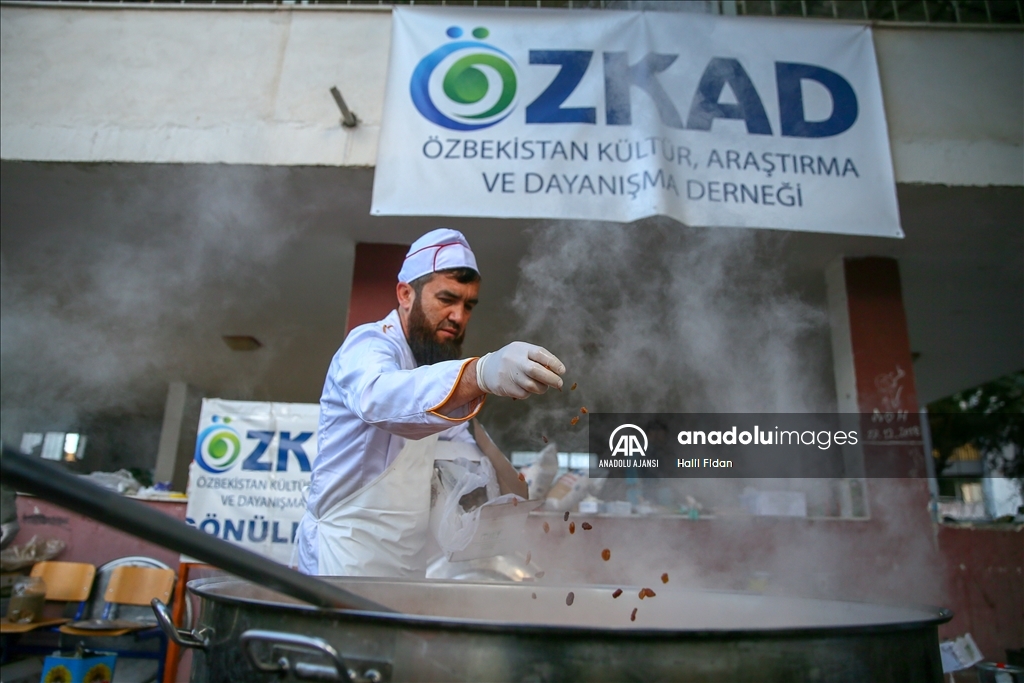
423,340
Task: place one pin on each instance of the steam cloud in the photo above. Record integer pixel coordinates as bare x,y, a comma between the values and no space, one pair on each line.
97,302
657,317
660,318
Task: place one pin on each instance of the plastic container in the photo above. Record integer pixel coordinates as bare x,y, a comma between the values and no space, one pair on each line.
27,599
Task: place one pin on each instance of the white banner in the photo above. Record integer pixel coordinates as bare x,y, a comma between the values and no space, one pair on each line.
251,462
605,115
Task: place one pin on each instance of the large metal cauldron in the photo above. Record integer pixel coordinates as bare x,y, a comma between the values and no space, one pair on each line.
460,631
463,631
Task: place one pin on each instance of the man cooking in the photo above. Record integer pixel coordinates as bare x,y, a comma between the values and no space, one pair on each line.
391,386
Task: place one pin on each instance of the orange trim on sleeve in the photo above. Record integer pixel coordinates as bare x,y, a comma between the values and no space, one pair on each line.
433,411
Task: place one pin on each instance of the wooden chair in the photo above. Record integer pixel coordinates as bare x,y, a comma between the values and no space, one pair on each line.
129,585
67,582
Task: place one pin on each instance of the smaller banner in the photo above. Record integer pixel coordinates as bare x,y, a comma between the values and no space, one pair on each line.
251,463
751,445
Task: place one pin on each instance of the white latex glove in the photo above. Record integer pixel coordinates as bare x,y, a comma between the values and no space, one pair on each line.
518,370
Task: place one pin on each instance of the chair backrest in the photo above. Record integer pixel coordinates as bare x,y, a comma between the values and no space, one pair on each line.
139,585
66,581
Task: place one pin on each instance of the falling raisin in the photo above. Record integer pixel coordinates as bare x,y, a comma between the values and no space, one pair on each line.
632,617
643,593
664,577
606,554
547,527
515,502
649,593
583,410
533,595
587,526
572,527
617,593
539,575
522,477
565,517
569,598
544,438
528,556
574,420
573,387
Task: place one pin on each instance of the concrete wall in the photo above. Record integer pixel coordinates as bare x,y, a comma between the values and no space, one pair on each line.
251,86
86,539
954,101
191,86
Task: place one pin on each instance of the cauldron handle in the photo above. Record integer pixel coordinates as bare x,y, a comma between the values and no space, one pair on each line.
304,671
178,636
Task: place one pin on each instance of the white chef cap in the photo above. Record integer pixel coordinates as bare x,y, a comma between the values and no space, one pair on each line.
439,249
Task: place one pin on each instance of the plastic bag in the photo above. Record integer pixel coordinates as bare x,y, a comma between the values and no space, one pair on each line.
459,478
121,481
541,472
569,489
36,550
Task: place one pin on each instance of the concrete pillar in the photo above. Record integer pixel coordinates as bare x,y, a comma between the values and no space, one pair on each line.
374,276
178,434
875,378
870,344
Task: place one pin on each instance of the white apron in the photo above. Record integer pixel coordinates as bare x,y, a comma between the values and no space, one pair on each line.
381,529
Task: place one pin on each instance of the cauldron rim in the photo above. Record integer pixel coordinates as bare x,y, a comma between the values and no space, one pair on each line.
936,616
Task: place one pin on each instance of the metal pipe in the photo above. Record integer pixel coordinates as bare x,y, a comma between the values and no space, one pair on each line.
52,483
348,119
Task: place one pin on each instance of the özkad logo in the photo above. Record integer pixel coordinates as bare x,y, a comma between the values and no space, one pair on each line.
468,85
218,446
628,442
465,85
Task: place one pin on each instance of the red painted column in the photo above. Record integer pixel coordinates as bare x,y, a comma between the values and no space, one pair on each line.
878,332
980,570
374,276
874,369
884,373
875,378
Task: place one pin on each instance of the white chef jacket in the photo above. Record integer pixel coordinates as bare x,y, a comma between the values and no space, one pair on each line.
374,398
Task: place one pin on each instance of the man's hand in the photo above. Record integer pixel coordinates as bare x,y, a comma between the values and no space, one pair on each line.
518,370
